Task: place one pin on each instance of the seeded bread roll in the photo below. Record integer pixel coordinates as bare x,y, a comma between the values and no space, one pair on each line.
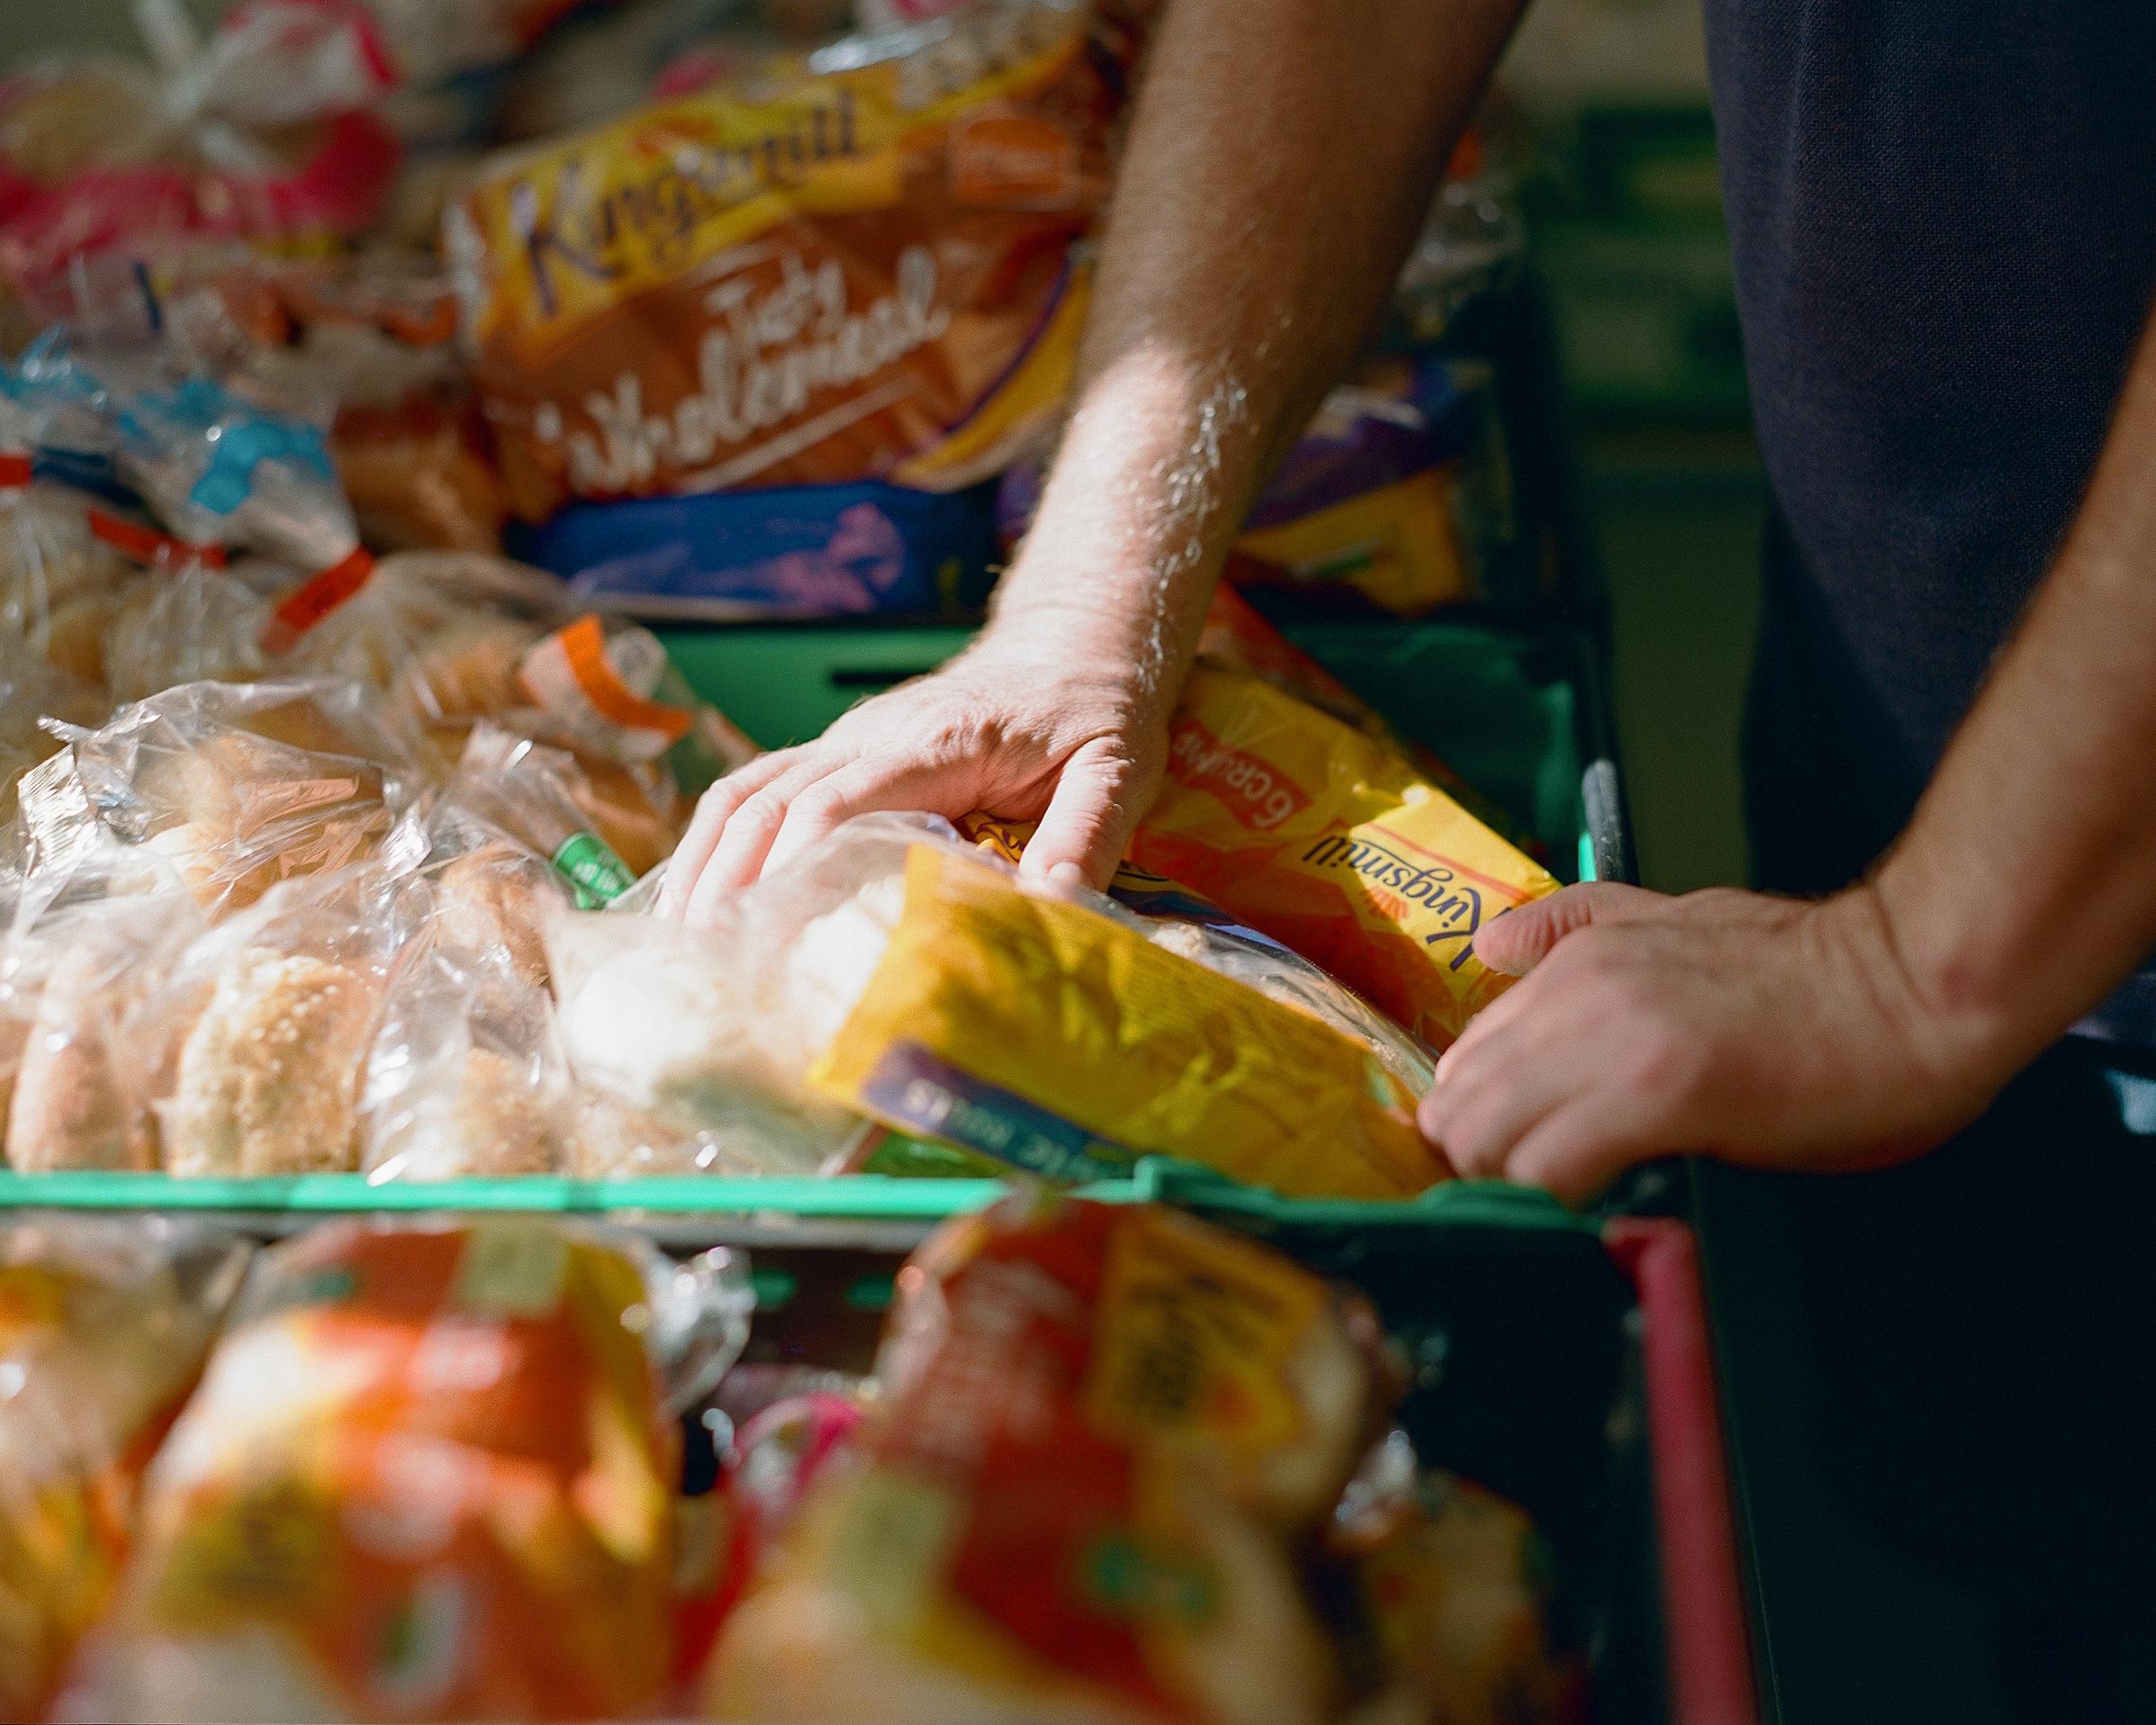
269,1077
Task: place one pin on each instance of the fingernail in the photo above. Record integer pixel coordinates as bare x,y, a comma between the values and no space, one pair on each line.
1068,876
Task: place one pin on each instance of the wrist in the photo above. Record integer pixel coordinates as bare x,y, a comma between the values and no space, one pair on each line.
1956,1023
1081,607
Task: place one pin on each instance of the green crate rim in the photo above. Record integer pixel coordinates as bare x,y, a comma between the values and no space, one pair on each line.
857,1198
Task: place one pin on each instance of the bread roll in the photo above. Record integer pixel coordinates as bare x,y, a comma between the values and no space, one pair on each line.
74,634
492,1121
496,899
269,1077
235,814
73,1106
468,671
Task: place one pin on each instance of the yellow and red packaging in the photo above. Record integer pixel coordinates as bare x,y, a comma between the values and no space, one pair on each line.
103,1326
425,1477
1102,1428
1333,843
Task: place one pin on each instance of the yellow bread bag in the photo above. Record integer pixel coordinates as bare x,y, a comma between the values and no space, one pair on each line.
1053,1037
1336,846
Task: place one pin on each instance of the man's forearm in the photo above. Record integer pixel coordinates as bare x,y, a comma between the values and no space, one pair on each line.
1281,159
2025,888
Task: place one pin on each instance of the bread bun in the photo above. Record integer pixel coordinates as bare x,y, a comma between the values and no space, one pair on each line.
497,899
269,1077
72,1106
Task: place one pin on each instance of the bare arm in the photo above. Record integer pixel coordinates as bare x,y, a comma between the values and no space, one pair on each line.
2026,887
1281,159
1871,1025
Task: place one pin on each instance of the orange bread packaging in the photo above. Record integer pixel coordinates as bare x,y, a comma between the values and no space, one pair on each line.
1333,842
854,266
428,1476
104,1325
1103,1431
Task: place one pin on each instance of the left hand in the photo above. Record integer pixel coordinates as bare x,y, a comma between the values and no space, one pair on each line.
1772,1032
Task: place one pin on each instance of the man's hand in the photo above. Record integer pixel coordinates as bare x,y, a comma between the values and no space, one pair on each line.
1030,723
1766,1031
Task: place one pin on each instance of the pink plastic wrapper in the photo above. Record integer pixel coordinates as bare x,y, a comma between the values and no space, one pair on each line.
263,134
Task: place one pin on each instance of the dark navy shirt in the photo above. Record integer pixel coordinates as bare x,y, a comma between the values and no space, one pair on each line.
1943,214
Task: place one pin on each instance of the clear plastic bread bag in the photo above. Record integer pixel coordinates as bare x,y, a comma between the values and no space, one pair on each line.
191,623
84,989
641,745
466,1078
32,691
105,1323
58,579
367,343
714,1030
493,890
441,633
242,786
428,1475
267,1022
215,468
527,791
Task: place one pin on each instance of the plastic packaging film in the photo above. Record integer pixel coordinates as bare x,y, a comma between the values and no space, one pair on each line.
898,974
1100,1430
850,267
428,1473
103,1326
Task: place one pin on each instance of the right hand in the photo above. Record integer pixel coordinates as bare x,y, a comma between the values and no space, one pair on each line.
1047,717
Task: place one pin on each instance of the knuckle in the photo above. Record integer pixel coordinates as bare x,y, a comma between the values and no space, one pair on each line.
1476,1156
766,807
1466,1143
820,804
720,799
